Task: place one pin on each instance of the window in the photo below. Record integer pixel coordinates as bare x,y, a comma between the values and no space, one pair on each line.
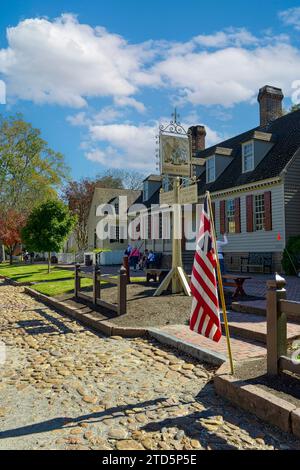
259,212
115,234
230,213
211,170
248,157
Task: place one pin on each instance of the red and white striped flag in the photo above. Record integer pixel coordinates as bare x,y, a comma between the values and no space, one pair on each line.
205,316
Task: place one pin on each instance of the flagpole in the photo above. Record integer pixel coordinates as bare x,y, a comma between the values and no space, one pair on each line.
221,290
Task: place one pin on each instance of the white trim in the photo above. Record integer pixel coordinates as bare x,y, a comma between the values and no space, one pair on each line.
243,188
243,156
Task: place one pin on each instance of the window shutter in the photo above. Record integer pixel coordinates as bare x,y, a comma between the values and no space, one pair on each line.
237,215
222,217
268,210
249,209
149,227
213,206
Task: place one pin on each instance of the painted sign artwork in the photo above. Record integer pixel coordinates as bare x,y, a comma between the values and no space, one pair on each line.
175,155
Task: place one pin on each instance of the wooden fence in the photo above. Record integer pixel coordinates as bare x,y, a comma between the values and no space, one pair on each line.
120,281
278,308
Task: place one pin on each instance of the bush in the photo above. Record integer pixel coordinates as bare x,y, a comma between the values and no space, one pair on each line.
291,256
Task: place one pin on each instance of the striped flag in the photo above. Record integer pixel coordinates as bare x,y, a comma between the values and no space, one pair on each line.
205,316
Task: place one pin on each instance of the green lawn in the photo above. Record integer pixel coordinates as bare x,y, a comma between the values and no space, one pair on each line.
34,272
58,282
60,287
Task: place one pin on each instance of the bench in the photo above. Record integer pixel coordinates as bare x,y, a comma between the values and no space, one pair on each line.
156,274
154,270
260,261
236,281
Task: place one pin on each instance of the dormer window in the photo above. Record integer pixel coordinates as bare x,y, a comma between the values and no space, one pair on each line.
211,169
248,156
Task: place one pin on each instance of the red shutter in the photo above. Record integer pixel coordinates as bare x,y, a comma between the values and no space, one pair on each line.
222,218
249,209
237,215
268,210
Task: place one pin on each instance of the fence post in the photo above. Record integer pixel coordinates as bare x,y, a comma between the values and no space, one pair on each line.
96,284
126,266
77,280
122,291
276,325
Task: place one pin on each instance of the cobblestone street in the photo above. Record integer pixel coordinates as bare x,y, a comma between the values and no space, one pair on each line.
64,387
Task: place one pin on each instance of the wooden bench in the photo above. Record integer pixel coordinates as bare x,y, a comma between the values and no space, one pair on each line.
154,273
260,261
236,281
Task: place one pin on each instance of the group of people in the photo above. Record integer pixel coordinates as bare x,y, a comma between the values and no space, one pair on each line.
137,259
28,256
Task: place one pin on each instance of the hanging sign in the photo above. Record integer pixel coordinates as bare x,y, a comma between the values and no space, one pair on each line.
175,155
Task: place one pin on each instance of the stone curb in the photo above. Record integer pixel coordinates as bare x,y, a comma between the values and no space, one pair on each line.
89,319
110,329
201,354
16,283
263,404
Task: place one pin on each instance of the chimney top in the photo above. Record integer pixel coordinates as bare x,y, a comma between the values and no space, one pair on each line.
198,134
270,104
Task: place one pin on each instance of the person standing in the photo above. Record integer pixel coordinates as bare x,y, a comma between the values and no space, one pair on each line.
220,245
134,257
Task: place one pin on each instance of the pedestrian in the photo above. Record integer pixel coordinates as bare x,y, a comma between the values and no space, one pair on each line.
151,260
143,260
128,250
134,257
220,245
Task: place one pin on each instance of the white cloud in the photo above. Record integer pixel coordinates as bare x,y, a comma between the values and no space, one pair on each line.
127,145
291,17
230,37
65,62
231,75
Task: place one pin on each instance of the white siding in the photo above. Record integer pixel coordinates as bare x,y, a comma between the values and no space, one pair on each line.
258,241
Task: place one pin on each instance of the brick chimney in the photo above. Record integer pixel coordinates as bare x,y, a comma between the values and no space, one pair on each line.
270,104
198,134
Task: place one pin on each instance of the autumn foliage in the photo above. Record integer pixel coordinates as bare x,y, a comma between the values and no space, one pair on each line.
11,224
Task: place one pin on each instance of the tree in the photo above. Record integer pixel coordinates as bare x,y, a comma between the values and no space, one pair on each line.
129,179
294,107
48,225
30,172
11,224
79,194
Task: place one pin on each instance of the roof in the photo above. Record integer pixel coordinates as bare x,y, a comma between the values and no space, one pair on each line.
286,141
153,178
154,199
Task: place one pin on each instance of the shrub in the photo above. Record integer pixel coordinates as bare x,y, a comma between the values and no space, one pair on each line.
291,256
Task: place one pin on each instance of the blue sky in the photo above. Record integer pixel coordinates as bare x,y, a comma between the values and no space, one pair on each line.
98,77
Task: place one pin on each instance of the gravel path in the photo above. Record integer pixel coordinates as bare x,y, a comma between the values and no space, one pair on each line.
64,387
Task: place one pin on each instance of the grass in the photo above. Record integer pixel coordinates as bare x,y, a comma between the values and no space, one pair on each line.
34,272
60,287
58,282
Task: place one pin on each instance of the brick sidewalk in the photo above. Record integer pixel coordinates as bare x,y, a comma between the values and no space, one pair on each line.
241,349
257,323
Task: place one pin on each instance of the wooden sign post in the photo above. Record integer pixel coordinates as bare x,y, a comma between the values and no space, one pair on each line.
176,275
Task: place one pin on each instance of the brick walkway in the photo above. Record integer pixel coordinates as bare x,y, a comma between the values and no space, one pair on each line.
241,349
258,324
